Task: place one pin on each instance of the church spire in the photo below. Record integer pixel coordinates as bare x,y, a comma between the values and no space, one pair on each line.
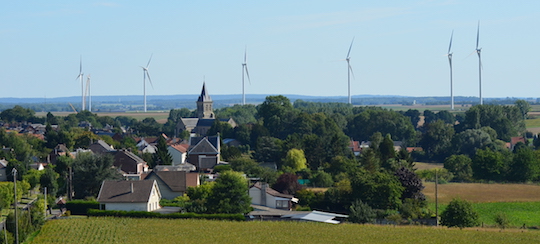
205,105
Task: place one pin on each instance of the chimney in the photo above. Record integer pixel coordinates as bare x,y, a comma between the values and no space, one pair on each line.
131,187
263,193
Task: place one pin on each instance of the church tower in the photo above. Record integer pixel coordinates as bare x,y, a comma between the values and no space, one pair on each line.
204,105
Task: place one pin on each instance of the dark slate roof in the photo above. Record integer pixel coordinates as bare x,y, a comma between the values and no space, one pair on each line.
203,147
204,97
175,180
205,122
273,192
113,191
214,140
190,122
100,146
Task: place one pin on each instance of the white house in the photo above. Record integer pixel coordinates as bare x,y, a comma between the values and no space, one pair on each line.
140,195
178,153
263,195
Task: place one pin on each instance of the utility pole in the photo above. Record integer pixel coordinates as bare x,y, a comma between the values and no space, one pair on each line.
45,194
14,171
436,198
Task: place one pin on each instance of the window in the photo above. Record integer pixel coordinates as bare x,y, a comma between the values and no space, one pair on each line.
282,204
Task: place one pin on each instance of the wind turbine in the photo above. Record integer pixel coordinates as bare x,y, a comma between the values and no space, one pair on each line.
349,71
146,74
88,93
80,77
449,54
244,68
479,51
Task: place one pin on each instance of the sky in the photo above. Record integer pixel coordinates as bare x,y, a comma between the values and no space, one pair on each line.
293,47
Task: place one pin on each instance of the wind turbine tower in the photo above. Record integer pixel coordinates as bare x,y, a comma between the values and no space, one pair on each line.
449,54
146,74
349,71
80,77
244,69
88,93
479,51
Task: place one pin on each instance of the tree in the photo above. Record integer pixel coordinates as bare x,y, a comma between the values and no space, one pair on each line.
321,179
89,171
468,141
490,165
363,125
361,213
378,189
162,156
436,141
460,167
523,106
49,180
287,183
386,148
459,213
525,165
412,184
294,161
507,121
224,129
414,115
229,194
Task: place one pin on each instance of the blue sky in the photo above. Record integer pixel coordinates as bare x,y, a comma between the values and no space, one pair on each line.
293,47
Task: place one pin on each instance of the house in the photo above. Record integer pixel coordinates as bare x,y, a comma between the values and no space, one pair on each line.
205,117
3,168
100,147
515,140
354,146
147,144
173,183
140,195
178,153
128,162
59,150
204,152
263,195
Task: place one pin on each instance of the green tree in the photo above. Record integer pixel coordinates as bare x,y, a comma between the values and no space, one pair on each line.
162,156
321,179
89,171
363,125
490,165
459,166
523,106
378,189
468,141
436,141
49,179
507,121
361,213
459,213
525,165
294,161
229,194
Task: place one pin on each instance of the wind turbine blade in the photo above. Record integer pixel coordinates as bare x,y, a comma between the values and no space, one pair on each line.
478,35
450,46
350,47
148,74
148,64
247,73
352,73
245,55
80,65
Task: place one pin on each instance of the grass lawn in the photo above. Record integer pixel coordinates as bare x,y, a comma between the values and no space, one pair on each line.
126,230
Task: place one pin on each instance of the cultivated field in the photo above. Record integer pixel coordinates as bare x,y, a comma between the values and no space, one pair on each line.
124,230
481,193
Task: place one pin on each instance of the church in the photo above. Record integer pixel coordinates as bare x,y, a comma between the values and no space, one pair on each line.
205,117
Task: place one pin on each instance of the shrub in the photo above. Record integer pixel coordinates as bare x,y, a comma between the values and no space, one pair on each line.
361,213
80,207
143,214
459,213
502,220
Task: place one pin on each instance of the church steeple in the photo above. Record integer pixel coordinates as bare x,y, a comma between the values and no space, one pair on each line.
205,105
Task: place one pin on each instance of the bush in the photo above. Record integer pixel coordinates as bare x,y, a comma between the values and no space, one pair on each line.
459,213
80,207
502,220
143,214
361,213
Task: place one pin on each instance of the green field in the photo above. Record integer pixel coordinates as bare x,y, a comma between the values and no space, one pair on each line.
125,230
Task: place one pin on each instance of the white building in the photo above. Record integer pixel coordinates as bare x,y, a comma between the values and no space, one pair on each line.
141,195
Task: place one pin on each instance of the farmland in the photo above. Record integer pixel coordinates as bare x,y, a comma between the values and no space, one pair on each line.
477,193
123,230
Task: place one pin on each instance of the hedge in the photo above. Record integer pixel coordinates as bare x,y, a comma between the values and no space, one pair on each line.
80,207
143,214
